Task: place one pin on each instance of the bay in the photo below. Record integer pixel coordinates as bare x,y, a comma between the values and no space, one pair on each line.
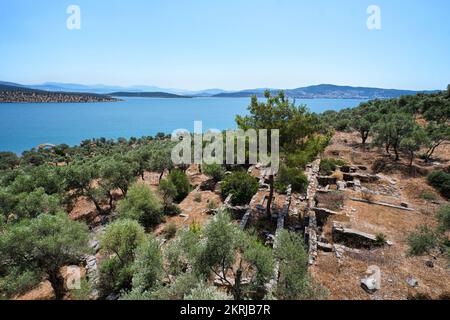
27,125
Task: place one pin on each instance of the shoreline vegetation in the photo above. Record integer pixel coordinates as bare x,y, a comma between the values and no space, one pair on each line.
22,95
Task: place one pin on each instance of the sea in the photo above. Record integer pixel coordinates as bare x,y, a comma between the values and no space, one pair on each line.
24,126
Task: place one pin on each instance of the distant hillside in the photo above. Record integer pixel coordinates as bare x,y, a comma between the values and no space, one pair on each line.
17,93
148,95
328,91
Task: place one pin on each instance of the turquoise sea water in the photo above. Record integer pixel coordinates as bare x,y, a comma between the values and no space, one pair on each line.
24,126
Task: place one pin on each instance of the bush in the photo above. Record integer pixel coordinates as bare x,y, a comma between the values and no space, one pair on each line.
428,196
181,182
215,171
422,241
119,242
141,204
170,230
168,192
380,240
241,185
291,176
198,197
294,281
328,166
441,181
444,217
212,204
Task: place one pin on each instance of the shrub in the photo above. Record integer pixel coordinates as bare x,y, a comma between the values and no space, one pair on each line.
205,292
119,242
241,185
428,196
444,217
172,210
422,241
441,181
212,204
168,192
291,176
198,197
181,182
380,240
215,171
170,230
147,265
141,204
294,282
328,166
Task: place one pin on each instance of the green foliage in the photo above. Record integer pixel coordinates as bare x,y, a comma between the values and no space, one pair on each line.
168,192
441,181
181,182
422,241
294,281
160,158
142,205
241,185
42,246
413,141
205,292
291,176
295,123
116,173
30,205
198,197
84,292
8,160
428,196
380,240
170,230
444,218
329,165
393,128
212,204
119,242
215,171
219,255
17,281
148,265
364,122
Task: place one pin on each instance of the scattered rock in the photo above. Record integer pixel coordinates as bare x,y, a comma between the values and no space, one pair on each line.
412,282
429,264
341,185
369,284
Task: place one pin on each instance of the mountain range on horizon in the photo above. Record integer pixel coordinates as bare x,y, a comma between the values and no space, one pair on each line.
324,91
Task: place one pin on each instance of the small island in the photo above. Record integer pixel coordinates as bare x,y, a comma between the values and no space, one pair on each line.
13,94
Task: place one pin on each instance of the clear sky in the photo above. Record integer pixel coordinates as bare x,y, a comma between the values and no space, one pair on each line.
232,44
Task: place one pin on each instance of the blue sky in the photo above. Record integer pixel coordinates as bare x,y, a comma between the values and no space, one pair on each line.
233,44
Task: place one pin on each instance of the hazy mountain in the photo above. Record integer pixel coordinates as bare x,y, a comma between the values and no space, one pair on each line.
147,95
328,91
325,91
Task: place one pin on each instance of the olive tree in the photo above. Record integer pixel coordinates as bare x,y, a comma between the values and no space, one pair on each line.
42,246
142,205
119,241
